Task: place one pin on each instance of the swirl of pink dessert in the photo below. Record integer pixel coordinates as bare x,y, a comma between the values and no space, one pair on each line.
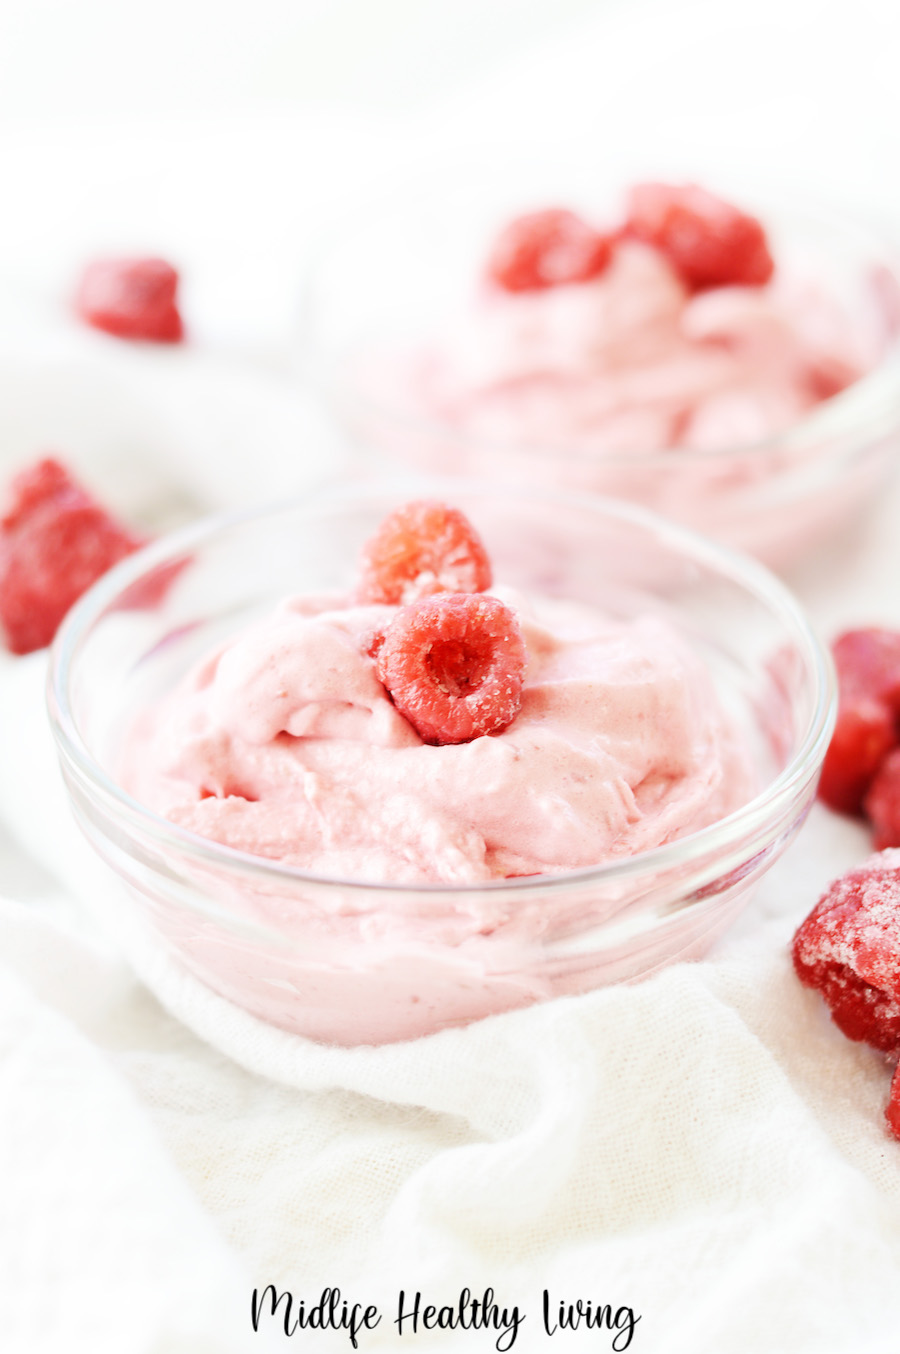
674,329
463,734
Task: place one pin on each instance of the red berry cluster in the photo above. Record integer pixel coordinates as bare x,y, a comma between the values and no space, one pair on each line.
861,772
848,948
55,541
452,659
708,241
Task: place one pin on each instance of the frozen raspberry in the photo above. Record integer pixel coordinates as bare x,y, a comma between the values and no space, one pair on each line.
131,298
892,1113
868,669
868,664
54,542
710,242
453,665
882,803
547,249
863,736
849,948
421,549
39,484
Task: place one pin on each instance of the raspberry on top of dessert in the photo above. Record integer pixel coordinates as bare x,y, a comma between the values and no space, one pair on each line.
547,249
710,242
429,726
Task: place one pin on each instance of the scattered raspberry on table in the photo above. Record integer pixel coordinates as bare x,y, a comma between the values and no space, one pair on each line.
882,803
867,729
862,738
55,541
848,948
132,298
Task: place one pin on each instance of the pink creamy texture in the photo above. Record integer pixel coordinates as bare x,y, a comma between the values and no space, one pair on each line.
284,744
633,362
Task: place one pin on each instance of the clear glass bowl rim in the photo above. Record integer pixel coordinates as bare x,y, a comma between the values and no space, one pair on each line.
869,407
751,818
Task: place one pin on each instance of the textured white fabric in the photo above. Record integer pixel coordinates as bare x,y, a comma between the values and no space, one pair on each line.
703,1148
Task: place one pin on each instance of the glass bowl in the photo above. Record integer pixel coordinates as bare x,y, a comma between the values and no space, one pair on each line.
349,962
403,273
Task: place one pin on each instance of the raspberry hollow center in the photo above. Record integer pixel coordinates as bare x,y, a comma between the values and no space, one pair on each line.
453,665
456,667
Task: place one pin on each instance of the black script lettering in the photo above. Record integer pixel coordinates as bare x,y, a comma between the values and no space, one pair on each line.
468,1314
486,1314
275,1298
625,1323
329,1313
371,1317
412,1315
573,1315
509,1329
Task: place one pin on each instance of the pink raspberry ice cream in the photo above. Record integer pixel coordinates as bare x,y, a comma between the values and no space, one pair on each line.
285,744
654,372
633,361
441,745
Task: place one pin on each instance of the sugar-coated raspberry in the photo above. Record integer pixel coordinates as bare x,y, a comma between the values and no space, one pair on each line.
132,298
849,949
547,249
453,665
882,803
421,549
710,242
55,541
868,669
892,1113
